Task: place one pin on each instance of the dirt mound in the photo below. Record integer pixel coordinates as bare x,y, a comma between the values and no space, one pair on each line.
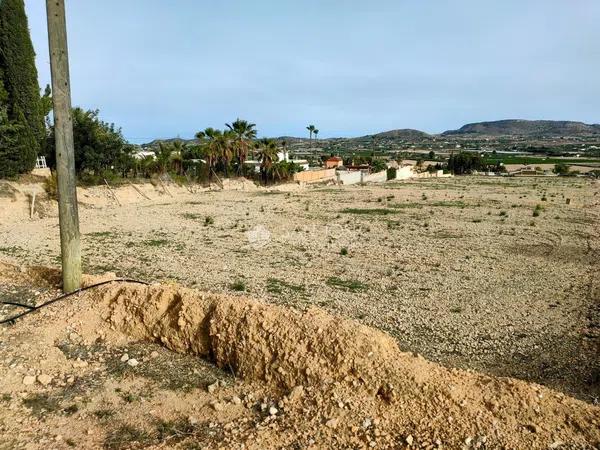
339,362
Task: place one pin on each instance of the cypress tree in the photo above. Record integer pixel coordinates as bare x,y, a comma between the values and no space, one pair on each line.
20,83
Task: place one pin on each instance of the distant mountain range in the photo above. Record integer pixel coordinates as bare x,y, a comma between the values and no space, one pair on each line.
498,128
525,128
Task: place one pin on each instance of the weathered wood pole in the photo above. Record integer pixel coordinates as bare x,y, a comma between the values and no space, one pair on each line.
65,155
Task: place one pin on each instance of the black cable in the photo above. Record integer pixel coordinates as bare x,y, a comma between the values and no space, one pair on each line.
31,309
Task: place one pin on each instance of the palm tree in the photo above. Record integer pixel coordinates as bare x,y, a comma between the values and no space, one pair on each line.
316,132
311,129
163,157
211,149
244,133
267,155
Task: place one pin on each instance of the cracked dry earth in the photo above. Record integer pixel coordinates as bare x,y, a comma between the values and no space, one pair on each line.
95,372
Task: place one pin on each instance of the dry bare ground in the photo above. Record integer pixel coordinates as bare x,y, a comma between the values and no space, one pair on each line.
466,271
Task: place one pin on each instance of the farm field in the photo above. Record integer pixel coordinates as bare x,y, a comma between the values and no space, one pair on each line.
495,275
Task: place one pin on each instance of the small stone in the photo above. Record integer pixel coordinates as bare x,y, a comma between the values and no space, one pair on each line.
154,354
468,441
366,423
273,411
192,420
211,388
28,380
409,439
133,362
71,380
44,380
236,400
296,393
218,406
125,357
332,423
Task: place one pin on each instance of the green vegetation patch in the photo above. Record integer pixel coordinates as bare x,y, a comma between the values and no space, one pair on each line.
276,286
369,211
349,285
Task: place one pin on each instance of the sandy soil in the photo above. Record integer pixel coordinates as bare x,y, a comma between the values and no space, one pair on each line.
78,374
459,270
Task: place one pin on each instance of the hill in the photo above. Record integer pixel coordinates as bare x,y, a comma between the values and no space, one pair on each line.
405,133
526,128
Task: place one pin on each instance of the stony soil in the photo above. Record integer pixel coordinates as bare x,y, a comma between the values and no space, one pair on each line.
459,270
87,373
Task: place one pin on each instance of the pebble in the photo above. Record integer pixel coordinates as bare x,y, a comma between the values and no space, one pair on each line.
366,423
332,423
44,380
211,388
125,357
28,380
154,354
133,362
236,400
273,411
409,439
192,420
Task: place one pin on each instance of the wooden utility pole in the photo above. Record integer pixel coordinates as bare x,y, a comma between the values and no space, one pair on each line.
65,155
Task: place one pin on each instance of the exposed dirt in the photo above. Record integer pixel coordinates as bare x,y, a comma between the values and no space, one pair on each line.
463,270
289,379
469,272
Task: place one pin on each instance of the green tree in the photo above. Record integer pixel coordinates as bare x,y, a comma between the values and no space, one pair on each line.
211,141
561,169
99,146
465,163
243,133
18,75
311,129
267,155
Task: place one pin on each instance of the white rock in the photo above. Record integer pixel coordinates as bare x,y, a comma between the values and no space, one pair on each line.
28,380
236,400
125,357
133,362
409,439
44,379
366,423
273,411
211,388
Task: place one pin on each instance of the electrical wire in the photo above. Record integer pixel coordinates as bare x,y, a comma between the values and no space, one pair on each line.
31,309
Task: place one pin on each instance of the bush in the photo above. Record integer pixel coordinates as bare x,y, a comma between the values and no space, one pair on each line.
391,173
344,251
51,186
239,286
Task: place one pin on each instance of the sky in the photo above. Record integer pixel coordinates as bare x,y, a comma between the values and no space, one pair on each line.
168,68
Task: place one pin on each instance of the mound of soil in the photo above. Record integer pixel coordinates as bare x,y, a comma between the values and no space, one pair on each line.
330,383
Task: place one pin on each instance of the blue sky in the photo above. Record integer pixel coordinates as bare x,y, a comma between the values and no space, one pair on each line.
165,68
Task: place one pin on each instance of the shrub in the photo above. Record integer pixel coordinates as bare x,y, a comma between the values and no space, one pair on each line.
344,251
51,186
239,286
391,173
208,220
